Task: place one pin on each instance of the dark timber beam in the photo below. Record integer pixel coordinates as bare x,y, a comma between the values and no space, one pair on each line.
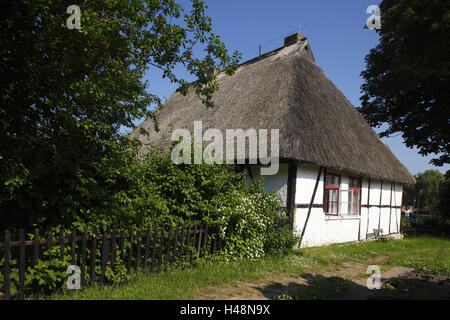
291,189
368,208
310,206
390,210
379,217
359,208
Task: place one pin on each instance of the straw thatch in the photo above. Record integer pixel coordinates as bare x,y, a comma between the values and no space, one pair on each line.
286,90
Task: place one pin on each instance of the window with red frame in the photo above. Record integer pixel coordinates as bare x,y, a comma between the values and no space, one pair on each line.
332,185
353,196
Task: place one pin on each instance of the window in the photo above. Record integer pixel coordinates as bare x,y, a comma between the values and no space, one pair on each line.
353,196
341,197
332,185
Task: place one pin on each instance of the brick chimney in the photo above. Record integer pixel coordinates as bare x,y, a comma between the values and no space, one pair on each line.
293,39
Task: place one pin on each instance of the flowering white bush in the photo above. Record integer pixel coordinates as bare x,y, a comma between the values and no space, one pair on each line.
247,224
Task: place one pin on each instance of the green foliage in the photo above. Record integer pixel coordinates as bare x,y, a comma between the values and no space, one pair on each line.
153,191
68,96
50,272
280,240
405,225
427,191
407,75
427,188
119,275
156,191
257,225
444,198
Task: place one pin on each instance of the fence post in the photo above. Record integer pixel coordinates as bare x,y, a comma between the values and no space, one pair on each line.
193,244
180,253
155,235
61,244
205,240
166,260
36,261
138,249
147,243
93,255
7,267
175,243
200,232
49,240
83,259
103,257
122,243
21,264
73,244
113,248
187,244
161,242
130,253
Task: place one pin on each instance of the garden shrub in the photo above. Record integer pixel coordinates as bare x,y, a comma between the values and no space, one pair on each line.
150,190
258,225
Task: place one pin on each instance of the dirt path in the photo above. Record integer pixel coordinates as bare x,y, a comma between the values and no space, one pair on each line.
354,273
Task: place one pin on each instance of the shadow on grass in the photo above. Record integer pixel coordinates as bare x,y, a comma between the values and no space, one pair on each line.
416,285
309,287
317,287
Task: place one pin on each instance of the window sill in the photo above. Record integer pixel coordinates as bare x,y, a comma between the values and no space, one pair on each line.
342,217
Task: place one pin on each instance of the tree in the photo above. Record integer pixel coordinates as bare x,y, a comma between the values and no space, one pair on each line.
65,93
426,191
444,198
407,75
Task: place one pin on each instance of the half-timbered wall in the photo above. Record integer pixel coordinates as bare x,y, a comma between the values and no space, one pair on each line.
382,213
380,203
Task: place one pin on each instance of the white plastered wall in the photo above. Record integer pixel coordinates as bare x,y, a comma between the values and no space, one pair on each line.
276,182
386,214
323,229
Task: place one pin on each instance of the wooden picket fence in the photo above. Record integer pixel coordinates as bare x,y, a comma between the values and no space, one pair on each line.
149,251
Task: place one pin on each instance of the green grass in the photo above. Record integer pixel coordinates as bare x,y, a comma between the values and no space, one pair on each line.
421,252
418,252
184,284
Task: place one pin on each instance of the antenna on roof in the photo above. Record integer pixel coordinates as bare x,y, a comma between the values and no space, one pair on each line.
260,47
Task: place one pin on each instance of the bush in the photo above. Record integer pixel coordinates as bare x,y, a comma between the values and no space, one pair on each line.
258,225
151,190
280,240
250,221
405,225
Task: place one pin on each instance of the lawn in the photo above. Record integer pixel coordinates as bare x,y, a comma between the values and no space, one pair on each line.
418,252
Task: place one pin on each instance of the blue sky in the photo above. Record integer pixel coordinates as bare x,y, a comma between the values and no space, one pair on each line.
336,36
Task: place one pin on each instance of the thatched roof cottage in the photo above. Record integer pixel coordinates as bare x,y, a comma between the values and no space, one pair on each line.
342,180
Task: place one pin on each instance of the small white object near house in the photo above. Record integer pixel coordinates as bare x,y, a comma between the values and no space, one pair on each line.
340,179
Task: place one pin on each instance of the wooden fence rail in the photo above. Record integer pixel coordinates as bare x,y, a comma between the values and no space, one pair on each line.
136,250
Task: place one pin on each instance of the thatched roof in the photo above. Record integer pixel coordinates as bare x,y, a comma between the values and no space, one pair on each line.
286,90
